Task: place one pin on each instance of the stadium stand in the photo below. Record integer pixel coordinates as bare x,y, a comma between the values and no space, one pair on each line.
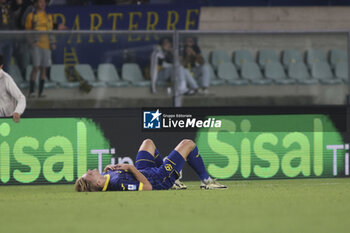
227,71
295,51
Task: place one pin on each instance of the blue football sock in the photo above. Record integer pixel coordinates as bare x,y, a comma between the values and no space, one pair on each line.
158,158
195,161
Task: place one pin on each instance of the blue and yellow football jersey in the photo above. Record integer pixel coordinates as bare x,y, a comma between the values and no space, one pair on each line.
161,174
120,180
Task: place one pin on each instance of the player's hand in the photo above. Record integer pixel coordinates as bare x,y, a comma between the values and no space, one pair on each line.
16,117
110,167
122,166
53,46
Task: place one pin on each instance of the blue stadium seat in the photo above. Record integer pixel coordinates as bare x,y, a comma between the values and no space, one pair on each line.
341,71
228,72
87,74
291,56
241,57
58,74
251,71
214,80
300,73
275,71
218,57
322,71
131,72
337,56
314,56
107,73
266,56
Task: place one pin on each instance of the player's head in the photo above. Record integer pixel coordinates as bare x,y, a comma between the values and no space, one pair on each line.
1,61
91,181
40,4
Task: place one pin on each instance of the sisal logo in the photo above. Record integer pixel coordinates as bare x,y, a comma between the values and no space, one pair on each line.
57,153
274,146
152,119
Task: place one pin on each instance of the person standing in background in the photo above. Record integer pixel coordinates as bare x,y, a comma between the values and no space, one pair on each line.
39,20
6,23
21,51
12,101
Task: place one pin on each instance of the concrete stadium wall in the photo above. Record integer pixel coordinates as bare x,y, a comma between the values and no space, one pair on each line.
275,18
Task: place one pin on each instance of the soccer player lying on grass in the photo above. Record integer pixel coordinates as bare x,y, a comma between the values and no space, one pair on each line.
150,173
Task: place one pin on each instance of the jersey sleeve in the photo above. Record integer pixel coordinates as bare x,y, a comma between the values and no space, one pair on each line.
127,185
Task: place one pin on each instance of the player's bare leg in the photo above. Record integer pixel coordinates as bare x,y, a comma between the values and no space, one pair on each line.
185,147
148,145
189,151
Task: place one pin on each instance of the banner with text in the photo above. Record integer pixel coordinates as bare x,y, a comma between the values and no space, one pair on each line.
242,146
96,49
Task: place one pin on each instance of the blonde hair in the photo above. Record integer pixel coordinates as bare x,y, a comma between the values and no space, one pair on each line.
82,185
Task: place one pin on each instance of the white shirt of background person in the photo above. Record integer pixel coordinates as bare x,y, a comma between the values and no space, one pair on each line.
12,101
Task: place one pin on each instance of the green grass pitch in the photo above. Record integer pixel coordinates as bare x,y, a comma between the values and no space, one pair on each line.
295,206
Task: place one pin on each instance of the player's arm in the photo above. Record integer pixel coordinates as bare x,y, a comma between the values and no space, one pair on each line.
137,174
